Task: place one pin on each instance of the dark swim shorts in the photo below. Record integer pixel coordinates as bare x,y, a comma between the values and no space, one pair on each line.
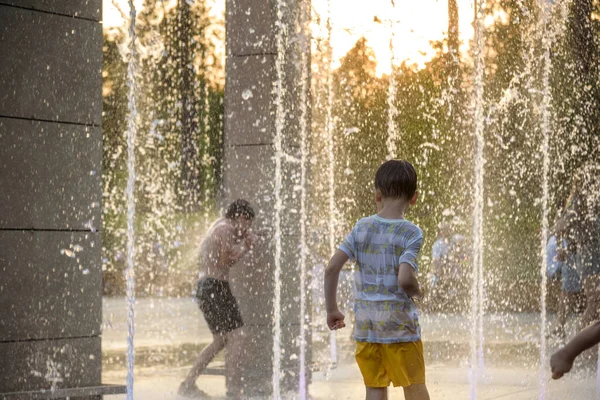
220,308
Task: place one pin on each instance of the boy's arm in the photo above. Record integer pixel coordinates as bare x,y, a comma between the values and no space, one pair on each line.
226,249
238,253
335,319
563,223
407,273
562,361
245,247
407,280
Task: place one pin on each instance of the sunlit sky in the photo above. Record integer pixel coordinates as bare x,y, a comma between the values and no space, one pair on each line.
415,24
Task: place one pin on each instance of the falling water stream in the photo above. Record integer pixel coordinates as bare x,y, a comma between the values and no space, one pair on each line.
304,110
207,161
545,121
280,115
130,194
331,166
392,136
477,286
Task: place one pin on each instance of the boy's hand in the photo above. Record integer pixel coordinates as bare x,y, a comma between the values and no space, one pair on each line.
335,320
251,239
560,363
419,296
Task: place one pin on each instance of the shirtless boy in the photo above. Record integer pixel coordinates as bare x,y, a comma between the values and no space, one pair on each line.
226,242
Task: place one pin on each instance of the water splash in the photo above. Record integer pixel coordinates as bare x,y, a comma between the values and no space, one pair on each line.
209,176
53,375
550,31
280,115
478,241
130,193
247,94
392,134
304,120
545,110
330,167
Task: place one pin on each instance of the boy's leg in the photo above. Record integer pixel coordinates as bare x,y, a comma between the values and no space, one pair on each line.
417,391
376,393
205,357
369,360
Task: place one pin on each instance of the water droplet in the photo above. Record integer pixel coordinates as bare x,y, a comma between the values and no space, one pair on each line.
247,94
68,253
350,131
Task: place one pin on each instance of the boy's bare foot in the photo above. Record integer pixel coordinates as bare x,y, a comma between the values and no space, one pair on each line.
191,391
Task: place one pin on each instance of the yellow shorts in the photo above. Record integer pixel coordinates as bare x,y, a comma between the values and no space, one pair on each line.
401,364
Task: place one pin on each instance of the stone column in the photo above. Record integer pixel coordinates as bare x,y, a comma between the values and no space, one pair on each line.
51,191
249,173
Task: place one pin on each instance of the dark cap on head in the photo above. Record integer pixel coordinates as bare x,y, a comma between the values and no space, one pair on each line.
239,208
396,179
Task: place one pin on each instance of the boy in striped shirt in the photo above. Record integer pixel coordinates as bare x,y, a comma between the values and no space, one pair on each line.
384,248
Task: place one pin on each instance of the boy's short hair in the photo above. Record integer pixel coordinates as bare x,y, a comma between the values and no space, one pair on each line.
239,208
396,179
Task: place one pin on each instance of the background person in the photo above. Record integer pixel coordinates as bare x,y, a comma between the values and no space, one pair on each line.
561,264
226,242
581,225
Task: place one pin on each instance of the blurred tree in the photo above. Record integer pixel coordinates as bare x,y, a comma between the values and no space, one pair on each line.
360,131
576,96
513,152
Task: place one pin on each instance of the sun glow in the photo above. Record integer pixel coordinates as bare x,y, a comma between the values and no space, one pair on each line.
415,25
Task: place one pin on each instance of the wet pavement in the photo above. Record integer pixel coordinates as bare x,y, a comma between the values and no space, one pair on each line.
170,332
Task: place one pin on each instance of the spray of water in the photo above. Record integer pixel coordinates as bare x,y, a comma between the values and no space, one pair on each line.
131,135
207,161
550,32
278,144
331,165
392,136
303,162
545,120
478,242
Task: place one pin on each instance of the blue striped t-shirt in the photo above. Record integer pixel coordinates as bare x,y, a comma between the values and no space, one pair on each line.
383,311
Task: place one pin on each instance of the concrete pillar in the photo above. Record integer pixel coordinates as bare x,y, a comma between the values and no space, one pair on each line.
50,180
250,113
